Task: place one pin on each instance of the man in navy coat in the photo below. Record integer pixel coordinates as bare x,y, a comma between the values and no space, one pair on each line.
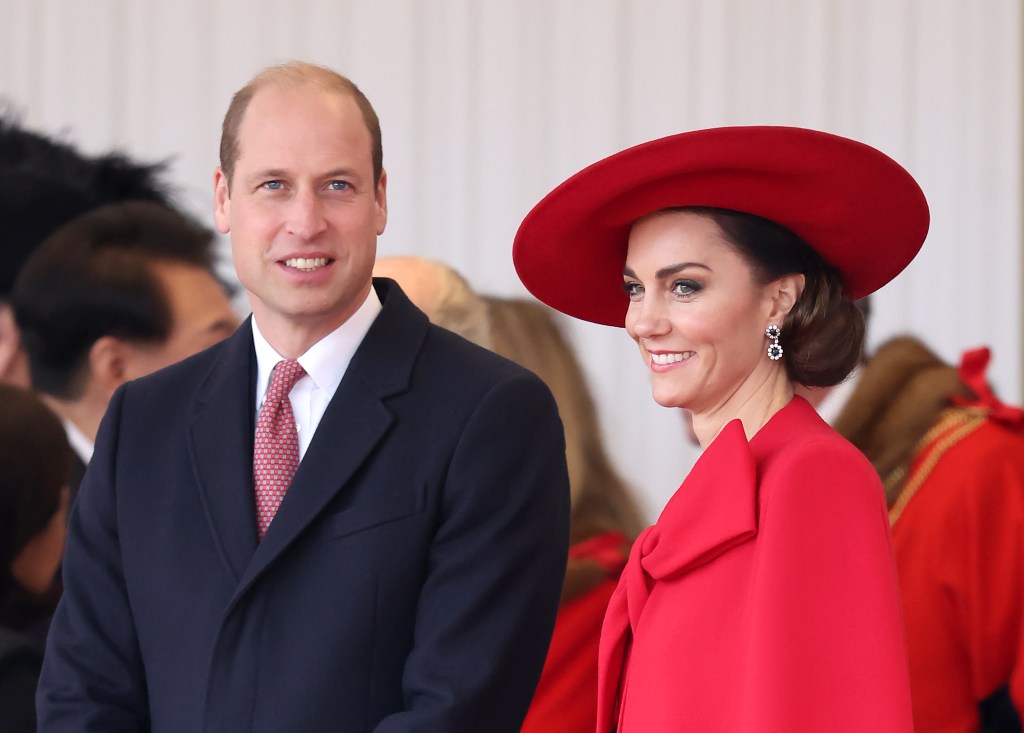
410,578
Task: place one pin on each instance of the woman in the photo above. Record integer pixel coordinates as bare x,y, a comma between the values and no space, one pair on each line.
35,464
604,519
765,597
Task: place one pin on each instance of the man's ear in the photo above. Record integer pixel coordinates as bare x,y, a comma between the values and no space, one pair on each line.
221,201
13,361
381,197
108,363
783,294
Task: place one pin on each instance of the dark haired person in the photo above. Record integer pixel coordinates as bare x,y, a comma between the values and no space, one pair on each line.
35,464
45,183
765,597
113,295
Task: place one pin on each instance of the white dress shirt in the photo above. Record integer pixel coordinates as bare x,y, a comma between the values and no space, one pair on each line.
79,441
325,363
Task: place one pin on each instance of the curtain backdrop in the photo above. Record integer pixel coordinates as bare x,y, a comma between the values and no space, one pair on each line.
488,104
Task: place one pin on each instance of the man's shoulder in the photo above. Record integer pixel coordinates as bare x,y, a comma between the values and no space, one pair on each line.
184,378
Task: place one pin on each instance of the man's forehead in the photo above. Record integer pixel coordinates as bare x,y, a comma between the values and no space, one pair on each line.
283,112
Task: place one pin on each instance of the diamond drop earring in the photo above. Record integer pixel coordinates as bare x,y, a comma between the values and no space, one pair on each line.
774,349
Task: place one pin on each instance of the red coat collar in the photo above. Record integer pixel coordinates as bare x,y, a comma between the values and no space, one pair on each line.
714,510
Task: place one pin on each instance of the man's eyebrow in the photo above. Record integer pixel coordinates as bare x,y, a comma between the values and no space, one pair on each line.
267,174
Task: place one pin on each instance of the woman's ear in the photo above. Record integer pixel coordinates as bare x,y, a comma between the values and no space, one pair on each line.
783,294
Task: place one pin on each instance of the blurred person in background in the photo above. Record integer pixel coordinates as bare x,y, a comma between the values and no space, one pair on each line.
951,458
604,515
45,183
605,518
113,295
35,465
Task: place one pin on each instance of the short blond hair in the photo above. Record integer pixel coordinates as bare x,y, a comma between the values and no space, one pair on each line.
295,73
448,299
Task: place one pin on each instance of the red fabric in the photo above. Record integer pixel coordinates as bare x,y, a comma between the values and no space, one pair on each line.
566,697
959,547
275,455
972,373
765,598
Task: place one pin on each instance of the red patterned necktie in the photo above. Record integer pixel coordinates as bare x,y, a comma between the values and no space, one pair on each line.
275,456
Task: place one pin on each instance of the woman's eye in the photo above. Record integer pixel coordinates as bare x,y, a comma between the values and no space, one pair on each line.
633,289
685,287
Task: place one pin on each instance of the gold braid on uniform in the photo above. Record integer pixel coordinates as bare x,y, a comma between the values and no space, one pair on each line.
902,406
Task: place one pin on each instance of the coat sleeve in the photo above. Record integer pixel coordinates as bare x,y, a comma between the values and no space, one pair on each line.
92,677
487,608
827,648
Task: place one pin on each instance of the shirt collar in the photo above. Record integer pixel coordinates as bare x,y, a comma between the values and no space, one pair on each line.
325,361
79,441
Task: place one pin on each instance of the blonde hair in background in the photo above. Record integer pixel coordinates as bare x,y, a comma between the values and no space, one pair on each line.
440,292
526,332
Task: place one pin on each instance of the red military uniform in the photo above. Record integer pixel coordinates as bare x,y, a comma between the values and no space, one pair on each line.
958,534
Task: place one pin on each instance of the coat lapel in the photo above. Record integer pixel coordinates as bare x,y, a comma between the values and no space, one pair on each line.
355,422
220,448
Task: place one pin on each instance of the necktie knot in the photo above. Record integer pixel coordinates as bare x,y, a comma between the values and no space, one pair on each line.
286,373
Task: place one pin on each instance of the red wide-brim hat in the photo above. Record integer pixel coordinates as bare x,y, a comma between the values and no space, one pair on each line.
859,209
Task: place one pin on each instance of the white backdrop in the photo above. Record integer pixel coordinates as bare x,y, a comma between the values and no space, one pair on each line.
487,104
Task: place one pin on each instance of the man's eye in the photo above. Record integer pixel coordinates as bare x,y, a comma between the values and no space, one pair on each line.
338,185
273,185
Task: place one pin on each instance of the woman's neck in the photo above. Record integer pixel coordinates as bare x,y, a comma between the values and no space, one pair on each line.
753,404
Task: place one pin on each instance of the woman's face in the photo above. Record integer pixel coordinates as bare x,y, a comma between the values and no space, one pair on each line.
696,312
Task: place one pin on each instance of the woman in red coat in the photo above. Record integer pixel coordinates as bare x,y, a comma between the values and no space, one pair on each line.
765,597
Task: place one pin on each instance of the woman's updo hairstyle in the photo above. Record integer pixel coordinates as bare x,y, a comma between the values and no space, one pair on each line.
823,335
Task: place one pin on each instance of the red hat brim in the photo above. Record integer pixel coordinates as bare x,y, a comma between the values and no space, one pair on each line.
859,209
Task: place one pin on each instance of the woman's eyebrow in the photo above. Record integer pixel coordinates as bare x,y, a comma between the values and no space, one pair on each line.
668,271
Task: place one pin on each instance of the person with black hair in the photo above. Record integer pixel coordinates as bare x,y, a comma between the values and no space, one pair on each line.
45,183
765,597
35,465
113,295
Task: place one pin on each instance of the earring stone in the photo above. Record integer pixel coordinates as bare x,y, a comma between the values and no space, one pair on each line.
774,349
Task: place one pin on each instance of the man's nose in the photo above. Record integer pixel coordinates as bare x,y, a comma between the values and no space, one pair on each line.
306,218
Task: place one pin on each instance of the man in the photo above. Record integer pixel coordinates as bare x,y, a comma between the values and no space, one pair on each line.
113,295
43,185
405,577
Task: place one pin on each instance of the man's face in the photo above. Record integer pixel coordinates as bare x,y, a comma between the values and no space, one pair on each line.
302,210
201,316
